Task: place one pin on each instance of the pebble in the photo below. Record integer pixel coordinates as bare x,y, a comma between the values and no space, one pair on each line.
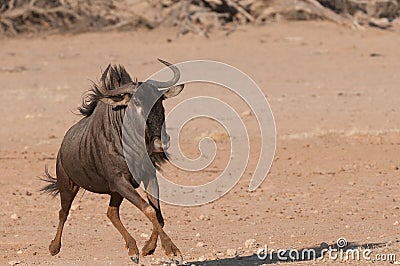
202,258
14,262
204,217
231,252
198,235
250,243
75,207
210,256
246,113
220,254
19,252
382,23
200,244
396,223
143,235
14,216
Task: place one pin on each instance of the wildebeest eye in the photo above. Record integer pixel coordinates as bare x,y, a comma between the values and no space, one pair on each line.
118,98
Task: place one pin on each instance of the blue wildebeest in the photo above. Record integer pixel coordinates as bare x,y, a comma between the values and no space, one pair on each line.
92,157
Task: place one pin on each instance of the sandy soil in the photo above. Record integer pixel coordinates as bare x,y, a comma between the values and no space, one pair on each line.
334,93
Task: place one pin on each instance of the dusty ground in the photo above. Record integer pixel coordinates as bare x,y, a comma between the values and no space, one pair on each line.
334,93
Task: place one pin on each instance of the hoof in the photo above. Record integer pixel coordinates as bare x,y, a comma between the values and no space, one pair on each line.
148,248
173,252
135,259
54,248
177,260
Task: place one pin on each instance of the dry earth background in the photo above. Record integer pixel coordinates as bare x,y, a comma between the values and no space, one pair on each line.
333,89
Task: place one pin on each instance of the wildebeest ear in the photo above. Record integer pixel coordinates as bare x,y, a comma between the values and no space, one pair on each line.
174,91
118,100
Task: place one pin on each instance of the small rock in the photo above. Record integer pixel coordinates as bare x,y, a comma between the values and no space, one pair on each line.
202,258
375,54
210,256
250,243
75,207
246,113
231,252
382,23
204,217
200,244
19,252
396,223
14,262
14,216
173,264
198,235
143,235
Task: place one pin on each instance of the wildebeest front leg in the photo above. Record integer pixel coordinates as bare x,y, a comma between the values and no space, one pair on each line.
152,192
113,215
151,244
126,190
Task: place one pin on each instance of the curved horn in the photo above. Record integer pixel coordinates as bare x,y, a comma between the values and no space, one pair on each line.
169,83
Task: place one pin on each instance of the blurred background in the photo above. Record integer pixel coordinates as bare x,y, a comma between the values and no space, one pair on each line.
195,16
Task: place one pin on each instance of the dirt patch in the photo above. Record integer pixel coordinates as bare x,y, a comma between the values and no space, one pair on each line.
336,169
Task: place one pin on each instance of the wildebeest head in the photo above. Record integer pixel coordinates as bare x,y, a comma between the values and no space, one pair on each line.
117,89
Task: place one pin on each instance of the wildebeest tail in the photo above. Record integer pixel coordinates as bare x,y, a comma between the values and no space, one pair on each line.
51,188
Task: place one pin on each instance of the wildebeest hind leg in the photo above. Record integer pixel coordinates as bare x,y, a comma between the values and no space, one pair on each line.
68,191
126,190
113,215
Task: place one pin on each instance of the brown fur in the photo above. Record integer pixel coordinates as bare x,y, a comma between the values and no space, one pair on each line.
91,156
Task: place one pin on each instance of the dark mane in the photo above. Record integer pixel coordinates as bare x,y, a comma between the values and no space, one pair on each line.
113,77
